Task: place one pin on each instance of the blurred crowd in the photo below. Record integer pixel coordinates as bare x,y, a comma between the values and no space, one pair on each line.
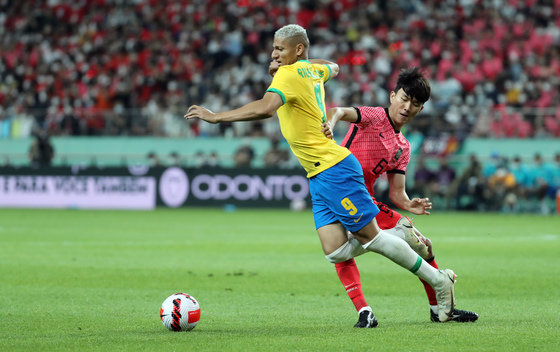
498,184
116,67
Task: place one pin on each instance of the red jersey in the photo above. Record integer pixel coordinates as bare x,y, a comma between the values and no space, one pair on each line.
376,144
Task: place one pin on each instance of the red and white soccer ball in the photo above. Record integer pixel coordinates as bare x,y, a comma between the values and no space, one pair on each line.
180,312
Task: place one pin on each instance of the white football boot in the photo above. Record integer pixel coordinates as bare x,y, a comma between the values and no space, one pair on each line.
445,295
406,228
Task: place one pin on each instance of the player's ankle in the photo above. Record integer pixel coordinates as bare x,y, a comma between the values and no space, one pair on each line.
365,308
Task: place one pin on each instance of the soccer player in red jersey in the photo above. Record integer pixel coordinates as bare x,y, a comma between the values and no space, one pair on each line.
375,139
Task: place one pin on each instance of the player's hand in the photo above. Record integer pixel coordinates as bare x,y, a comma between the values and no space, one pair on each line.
420,206
327,130
198,112
273,67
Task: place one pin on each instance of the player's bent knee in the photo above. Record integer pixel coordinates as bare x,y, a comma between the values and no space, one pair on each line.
348,250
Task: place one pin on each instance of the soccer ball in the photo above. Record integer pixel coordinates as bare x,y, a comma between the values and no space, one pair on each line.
180,312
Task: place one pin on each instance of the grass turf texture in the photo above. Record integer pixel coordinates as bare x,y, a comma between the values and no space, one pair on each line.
94,280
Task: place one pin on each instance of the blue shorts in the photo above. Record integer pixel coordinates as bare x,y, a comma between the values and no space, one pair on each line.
339,194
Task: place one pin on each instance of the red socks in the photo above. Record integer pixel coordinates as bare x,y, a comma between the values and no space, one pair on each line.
429,290
350,277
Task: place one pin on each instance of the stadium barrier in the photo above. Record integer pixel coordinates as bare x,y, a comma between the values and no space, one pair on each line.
123,151
142,187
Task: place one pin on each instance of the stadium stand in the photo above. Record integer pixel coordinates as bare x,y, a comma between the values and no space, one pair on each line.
107,67
96,69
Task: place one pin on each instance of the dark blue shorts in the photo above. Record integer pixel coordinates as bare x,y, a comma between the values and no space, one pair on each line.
339,194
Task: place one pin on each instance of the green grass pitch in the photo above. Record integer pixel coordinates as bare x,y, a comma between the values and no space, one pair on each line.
74,280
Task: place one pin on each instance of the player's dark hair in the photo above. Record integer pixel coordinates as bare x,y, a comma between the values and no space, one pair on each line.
414,84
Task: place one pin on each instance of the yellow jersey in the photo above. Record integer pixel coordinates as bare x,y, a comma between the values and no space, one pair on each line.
301,87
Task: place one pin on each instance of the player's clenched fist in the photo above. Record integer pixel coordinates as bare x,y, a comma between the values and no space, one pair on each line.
326,128
198,112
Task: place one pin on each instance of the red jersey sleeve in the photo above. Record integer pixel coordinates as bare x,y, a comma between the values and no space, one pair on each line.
369,116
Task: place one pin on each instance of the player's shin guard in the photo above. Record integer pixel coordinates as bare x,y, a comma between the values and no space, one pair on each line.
350,277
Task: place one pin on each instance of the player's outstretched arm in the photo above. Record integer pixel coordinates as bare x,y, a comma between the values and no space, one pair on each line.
332,66
417,206
256,110
397,194
336,114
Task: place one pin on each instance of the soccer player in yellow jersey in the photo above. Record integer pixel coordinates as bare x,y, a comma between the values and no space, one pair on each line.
340,199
